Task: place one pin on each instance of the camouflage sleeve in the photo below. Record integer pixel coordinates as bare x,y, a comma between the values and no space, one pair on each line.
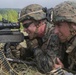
45,58
43,61
55,48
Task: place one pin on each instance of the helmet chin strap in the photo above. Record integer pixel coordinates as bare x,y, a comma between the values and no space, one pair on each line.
72,31
36,32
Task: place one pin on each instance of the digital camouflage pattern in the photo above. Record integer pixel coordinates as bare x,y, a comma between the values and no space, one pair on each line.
34,11
71,50
65,11
9,68
46,54
48,47
47,51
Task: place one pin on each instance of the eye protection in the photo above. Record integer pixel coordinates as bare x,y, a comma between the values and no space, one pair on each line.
26,25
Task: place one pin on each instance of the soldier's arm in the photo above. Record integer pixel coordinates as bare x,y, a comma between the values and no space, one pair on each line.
45,58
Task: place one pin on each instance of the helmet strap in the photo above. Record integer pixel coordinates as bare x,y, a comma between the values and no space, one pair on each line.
36,31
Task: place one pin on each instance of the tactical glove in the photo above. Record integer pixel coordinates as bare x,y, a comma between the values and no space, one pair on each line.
32,44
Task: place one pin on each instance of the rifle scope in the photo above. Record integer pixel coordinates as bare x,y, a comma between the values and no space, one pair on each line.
7,24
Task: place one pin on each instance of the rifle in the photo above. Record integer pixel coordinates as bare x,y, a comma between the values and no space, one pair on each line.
9,33
21,61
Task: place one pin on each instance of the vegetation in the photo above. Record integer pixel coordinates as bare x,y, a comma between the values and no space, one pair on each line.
9,14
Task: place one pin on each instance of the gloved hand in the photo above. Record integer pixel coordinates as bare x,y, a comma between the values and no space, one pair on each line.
32,43
14,50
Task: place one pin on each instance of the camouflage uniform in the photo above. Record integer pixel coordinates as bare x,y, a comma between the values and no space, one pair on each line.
66,12
46,54
48,46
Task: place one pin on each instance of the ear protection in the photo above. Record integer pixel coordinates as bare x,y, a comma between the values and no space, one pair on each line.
49,14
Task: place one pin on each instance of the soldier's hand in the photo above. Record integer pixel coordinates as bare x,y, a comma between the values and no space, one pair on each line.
59,64
15,51
32,43
18,50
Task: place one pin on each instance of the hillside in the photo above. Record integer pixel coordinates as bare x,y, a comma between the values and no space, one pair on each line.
10,14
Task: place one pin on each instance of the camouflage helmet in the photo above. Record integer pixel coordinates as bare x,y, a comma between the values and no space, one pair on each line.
65,11
32,11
